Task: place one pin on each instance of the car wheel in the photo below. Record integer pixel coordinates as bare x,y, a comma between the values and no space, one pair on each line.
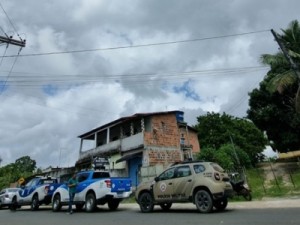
79,206
146,202
113,204
220,205
14,204
90,202
56,204
203,201
35,203
165,206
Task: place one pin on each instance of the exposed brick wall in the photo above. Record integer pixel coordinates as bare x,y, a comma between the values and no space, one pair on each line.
163,141
164,132
165,157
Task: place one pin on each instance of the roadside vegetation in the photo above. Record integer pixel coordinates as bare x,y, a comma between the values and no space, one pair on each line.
266,183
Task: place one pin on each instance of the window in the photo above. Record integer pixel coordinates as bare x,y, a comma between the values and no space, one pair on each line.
183,171
168,174
82,177
199,168
98,175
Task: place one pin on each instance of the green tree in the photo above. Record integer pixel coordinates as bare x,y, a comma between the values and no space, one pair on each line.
25,164
283,76
23,167
215,131
275,114
272,106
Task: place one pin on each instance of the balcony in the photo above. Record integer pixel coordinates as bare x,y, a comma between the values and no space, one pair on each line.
122,145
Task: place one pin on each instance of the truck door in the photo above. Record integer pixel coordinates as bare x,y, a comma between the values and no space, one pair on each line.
163,186
81,187
183,183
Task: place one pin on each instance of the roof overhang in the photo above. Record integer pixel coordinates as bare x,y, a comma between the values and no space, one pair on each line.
130,156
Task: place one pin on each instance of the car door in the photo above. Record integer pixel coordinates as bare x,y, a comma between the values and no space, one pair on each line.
183,183
163,186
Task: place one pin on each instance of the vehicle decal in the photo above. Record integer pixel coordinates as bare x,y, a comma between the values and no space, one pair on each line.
163,187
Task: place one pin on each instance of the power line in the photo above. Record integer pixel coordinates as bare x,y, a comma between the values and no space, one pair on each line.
139,46
11,23
5,82
38,80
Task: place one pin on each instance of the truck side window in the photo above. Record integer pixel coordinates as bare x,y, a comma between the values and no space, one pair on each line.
169,174
199,168
97,175
82,177
183,171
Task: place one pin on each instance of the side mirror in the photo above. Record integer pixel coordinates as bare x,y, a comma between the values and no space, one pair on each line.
156,179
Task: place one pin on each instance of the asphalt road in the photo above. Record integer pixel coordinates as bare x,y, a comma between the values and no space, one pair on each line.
239,213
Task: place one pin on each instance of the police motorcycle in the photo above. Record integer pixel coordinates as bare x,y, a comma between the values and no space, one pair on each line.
240,187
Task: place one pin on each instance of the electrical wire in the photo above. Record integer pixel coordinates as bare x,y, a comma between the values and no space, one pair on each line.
10,21
37,79
138,46
5,82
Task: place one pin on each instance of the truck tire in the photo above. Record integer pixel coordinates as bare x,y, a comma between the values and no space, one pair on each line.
113,204
203,201
146,202
56,204
35,202
14,204
90,202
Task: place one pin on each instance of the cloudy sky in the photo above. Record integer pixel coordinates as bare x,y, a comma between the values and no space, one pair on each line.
87,63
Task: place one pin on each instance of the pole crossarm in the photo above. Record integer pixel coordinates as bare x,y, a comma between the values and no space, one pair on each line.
10,40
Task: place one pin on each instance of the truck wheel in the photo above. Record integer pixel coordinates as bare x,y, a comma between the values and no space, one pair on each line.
203,201
56,204
90,202
35,202
113,204
221,204
14,204
146,202
165,206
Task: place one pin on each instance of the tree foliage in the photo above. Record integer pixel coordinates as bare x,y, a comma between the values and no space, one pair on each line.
23,167
272,105
219,135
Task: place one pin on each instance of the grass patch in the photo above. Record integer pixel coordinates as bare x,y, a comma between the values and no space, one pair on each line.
278,187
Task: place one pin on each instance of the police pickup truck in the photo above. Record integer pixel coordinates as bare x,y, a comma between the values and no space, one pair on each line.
37,191
94,188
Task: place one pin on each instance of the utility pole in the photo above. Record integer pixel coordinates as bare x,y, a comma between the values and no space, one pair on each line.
10,40
294,65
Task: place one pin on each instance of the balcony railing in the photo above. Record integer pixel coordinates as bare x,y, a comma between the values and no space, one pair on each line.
123,145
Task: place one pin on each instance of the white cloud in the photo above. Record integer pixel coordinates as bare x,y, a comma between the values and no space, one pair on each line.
88,89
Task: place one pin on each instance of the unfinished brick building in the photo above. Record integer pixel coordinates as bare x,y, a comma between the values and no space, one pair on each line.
142,145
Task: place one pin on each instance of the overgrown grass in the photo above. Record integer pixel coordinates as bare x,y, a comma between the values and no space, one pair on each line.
277,187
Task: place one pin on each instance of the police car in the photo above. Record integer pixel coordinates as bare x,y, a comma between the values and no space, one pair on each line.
95,187
37,191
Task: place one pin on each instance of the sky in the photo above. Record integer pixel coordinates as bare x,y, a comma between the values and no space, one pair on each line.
87,63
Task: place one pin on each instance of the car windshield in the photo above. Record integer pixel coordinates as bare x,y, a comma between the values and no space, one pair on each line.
13,190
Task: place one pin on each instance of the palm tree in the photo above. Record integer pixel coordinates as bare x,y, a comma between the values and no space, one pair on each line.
284,75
